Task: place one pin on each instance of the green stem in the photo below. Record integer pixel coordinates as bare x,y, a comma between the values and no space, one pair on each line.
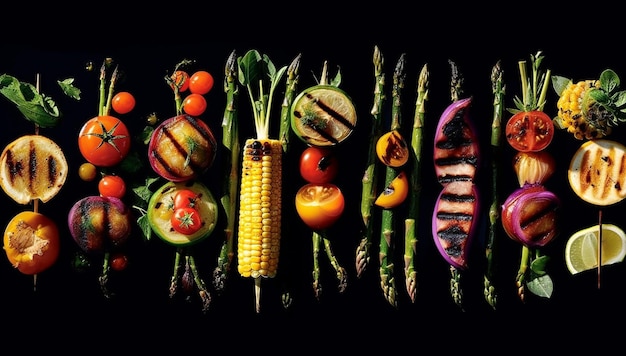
369,181
494,209
175,274
109,98
102,90
521,273
290,92
203,292
230,169
317,287
342,275
388,219
104,276
417,142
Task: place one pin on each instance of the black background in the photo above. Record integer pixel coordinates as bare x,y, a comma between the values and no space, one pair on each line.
141,308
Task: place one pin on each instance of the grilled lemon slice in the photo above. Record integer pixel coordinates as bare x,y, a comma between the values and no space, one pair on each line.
323,115
32,167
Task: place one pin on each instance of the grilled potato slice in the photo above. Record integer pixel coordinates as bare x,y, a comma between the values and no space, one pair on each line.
32,167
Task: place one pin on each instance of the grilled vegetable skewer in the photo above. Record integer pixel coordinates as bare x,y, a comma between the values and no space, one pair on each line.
530,214
498,90
370,179
410,228
455,156
259,228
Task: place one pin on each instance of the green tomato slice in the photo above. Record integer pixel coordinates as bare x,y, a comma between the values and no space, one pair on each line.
161,208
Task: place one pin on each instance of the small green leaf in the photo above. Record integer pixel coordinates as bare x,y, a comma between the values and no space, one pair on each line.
69,89
538,265
560,83
144,226
35,107
541,286
619,99
609,80
599,95
249,68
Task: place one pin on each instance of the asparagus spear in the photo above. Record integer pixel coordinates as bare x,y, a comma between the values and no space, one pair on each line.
410,237
370,177
230,169
388,218
498,90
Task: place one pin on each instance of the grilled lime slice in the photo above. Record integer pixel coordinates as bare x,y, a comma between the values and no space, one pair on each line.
323,115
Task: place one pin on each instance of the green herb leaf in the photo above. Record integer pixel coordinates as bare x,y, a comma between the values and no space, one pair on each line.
35,107
69,89
560,83
144,226
538,265
541,286
609,81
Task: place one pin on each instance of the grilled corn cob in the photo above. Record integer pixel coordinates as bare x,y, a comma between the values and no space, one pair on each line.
258,245
590,109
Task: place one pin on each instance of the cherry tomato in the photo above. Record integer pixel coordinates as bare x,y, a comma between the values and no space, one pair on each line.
318,164
104,141
529,131
31,242
395,193
185,198
180,79
87,172
123,102
118,261
201,82
392,149
319,205
112,186
186,220
194,104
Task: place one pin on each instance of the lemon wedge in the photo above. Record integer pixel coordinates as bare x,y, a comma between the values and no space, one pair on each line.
581,250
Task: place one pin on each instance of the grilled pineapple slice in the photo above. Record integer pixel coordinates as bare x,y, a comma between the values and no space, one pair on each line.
32,167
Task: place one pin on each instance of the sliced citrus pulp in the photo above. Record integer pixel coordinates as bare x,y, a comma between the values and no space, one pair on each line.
323,115
581,250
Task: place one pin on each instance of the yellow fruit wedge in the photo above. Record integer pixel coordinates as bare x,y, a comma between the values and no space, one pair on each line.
581,250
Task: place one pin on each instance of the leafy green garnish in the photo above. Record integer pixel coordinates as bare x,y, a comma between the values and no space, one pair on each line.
610,97
35,106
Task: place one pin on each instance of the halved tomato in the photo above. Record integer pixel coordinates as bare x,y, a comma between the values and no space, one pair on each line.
395,193
392,149
319,205
529,131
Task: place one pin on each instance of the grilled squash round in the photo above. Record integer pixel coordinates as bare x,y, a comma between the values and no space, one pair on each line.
32,167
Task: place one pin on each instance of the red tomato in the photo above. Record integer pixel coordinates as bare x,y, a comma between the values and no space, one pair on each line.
194,104
123,102
201,82
529,131
118,261
318,164
319,205
112,186
180,79
186,220
185,198
104,141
